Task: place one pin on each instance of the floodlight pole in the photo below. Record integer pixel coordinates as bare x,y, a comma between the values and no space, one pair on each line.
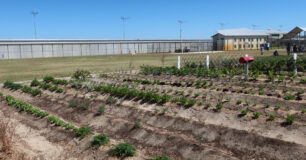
123,26
34,13
181,22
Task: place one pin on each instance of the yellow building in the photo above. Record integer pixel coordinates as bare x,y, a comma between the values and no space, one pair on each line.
243,38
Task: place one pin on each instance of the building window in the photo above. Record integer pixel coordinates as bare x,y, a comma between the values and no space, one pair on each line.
235,46
251,39
235,39
239,46
257,39
243,39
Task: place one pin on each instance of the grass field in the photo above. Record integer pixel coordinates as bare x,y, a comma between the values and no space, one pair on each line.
26,69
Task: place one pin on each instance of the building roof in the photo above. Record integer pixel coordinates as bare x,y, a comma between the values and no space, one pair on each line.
248,32
294,32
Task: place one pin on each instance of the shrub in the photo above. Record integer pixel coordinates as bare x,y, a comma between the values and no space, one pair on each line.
271,117
256,115
123,150
81,75
83,132
101,110
48,79
290,119
99,140
244,112
289,97
35,83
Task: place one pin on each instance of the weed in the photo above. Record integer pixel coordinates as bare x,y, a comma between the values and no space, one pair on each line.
288,108
303,110
160,158
59,90
285,90
73,103
267,105
123,150
111,100
99,140
81,75
200,103
85,105
165,110
261,93
278,106
207,105
219,106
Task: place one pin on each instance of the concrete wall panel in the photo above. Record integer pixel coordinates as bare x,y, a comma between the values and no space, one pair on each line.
14,51
26,51
3,52
76,50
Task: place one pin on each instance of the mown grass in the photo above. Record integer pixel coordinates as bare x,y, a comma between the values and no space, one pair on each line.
26,69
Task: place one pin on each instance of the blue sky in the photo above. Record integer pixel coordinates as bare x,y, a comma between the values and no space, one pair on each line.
149,19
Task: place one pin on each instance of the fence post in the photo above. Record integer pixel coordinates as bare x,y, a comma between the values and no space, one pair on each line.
294,63
246,69
179,62
207,61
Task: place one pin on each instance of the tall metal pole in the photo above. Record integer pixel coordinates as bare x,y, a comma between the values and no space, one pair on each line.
34,13
181,22
123,26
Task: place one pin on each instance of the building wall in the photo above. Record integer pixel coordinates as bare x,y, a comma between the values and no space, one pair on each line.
238,42
14,49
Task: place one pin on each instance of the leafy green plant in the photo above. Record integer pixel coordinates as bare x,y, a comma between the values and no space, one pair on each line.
59,90
99,140
83,132
123,150
239,102
137,124
290,119
244,112
191,102
12,85
36,92
207,105
219,106
111,100
35,83
200,103
289,97
85,105
303,110
256,115
261,93
267,105
278,106
303,81
48,79
271,117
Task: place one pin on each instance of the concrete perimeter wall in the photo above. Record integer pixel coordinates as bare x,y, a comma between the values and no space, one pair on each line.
15,49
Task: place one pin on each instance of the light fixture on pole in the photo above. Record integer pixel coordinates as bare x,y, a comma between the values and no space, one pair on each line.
34,13
123,26
181,22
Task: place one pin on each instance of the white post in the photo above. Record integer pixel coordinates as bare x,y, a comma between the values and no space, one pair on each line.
246,68
179,62
294,62
207,61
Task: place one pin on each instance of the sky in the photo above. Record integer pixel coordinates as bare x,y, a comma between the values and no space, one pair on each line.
148,19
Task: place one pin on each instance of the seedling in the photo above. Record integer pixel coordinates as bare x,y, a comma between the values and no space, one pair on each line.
303,110
278,106
137,124
289,97
271,117
101,110
267,105
256,115
207,105
244,112
83,132
239,102
290,119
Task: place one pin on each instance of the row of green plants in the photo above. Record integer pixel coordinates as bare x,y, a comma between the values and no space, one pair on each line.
148,96
263,64
48,79
26,107
46,86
